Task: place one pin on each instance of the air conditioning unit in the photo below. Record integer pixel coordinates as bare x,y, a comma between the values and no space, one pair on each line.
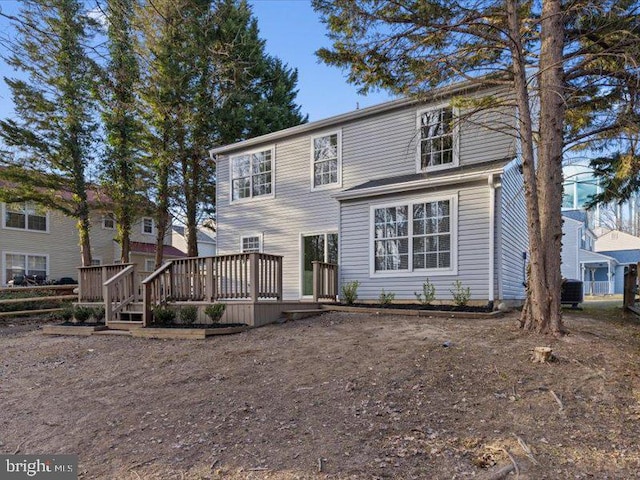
572,293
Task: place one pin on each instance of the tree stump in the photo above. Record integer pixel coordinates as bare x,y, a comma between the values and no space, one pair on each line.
542,355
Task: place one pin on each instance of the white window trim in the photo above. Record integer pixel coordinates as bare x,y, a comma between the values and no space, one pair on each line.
327,186
260,238
146,260
455,113
301,250
4,262
4,221
410,272
97,259
111,217
273,176
153,226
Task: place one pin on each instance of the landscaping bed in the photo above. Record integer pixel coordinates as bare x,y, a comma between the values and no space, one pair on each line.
194,331
70,328
449,311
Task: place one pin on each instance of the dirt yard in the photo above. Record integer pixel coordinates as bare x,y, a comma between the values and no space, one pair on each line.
340,396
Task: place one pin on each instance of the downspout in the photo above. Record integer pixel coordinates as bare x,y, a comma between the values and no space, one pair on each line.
492,234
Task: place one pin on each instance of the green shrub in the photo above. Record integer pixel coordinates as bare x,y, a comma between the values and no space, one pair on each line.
82,314
350,292
163,315
189,314
386,298
215,311
428,294
461,295
67,313
98,314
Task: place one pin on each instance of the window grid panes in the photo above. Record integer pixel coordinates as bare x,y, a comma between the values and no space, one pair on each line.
251,244
251,175
432,235
325,160
436,138
413,237
391,238
29,265
108,222
25,216
147,225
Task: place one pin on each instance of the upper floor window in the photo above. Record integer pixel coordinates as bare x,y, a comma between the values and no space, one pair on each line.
414,237
251,244
252,175
326,160
148,226
436,147
25,216
109,221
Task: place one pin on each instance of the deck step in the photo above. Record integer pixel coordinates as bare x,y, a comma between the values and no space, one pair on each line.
300,314
123,325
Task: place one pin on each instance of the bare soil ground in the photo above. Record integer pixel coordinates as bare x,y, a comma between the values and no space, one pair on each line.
337,396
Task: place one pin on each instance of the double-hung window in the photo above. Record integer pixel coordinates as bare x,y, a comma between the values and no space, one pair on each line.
326,160
437,143
25,264
414,236
25,216
252,175
148,226
108,221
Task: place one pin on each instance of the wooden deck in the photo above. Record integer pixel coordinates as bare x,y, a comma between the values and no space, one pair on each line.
250,284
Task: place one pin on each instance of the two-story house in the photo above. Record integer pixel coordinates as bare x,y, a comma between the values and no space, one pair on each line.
394,194
37,241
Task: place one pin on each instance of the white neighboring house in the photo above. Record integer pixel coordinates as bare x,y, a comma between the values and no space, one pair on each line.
205,238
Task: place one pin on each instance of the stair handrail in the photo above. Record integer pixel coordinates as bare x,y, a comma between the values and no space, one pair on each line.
146,291
110,285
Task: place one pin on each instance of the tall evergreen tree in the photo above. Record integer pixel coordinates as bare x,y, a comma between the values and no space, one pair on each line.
120,115
52,133
217,86
571,67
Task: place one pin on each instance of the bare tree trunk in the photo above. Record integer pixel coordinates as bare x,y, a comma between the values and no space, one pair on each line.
85,242
192,193
536,310
549,175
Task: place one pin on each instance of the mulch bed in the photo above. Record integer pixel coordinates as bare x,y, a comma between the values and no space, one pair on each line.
415,306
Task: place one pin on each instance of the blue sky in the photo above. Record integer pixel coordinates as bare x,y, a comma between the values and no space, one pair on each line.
293,32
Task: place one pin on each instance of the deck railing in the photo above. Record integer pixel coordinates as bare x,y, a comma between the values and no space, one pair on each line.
119,291
325,281
250,276
91,280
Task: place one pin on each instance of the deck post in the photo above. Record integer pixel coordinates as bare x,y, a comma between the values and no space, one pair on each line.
210,279
254,272
316,280
80,293
146,304
279,286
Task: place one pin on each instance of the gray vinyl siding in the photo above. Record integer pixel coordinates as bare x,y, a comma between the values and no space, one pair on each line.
473,247
570,267
514,239
377,146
